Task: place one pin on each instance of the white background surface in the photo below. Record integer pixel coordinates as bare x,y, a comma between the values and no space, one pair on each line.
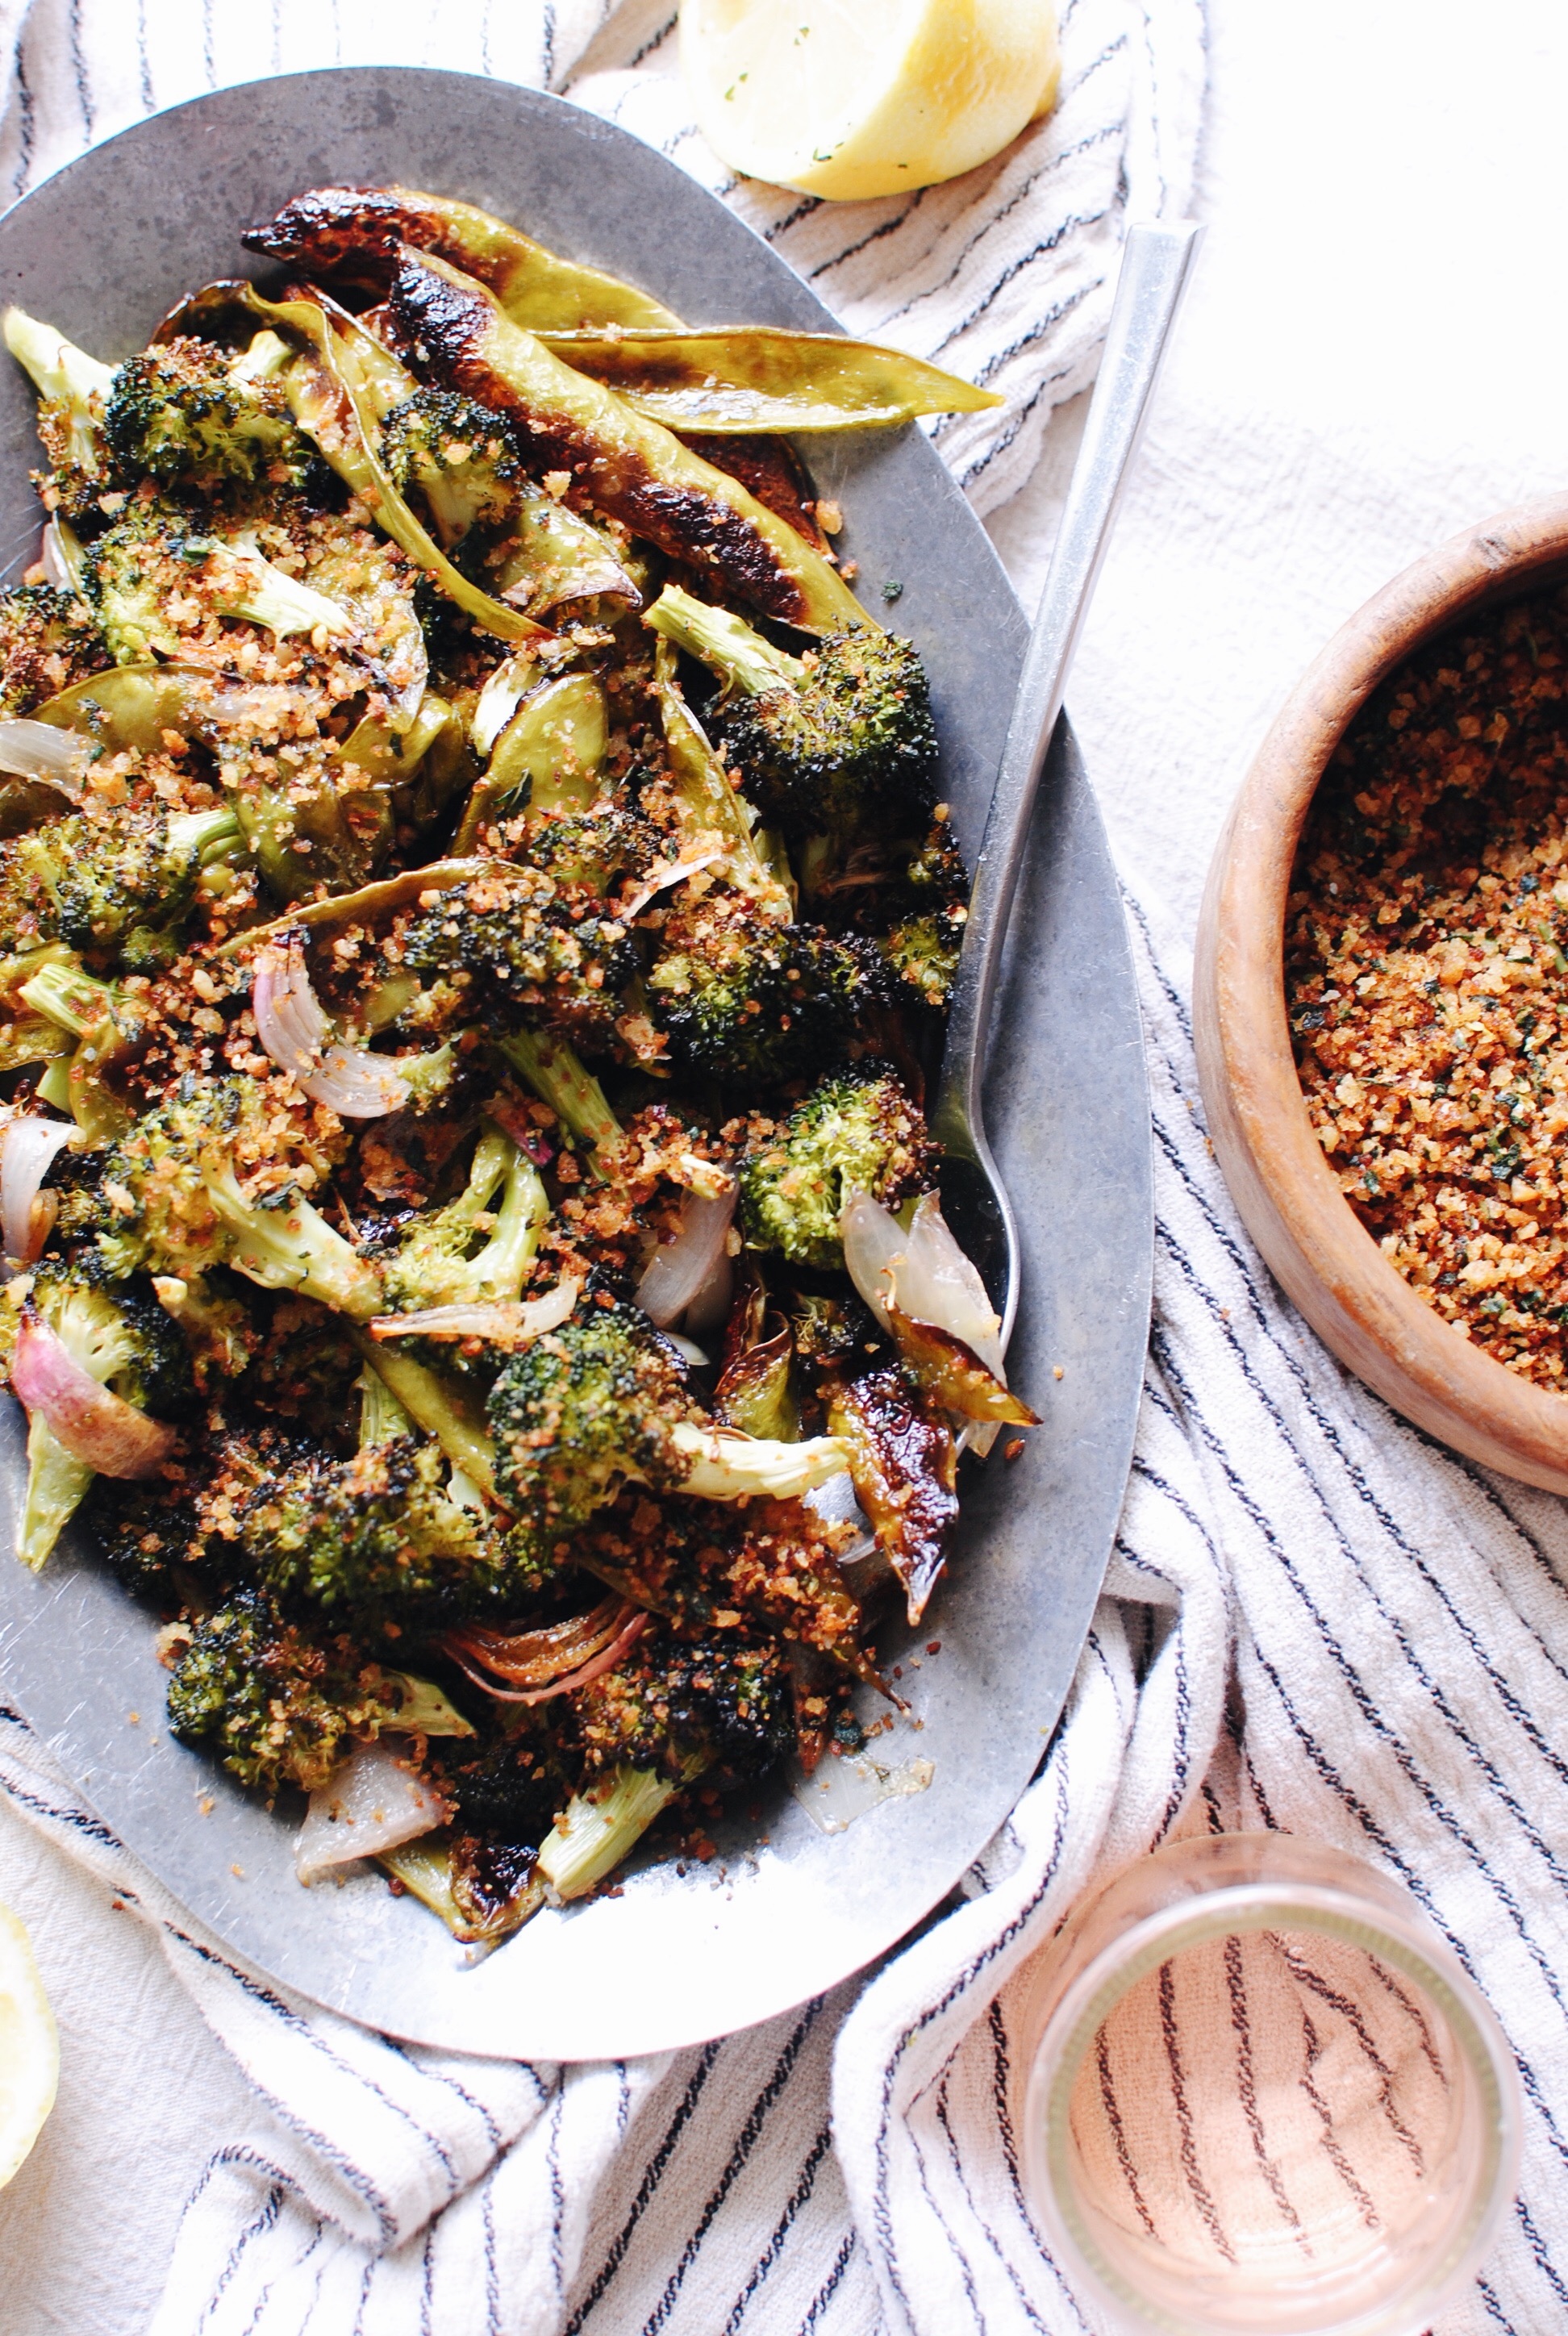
1373,357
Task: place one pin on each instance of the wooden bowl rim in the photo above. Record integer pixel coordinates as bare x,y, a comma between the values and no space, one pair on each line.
1338,1273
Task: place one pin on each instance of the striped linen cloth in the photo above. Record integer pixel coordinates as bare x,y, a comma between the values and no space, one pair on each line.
1313,1619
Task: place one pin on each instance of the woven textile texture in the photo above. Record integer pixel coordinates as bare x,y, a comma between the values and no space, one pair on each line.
1313,1619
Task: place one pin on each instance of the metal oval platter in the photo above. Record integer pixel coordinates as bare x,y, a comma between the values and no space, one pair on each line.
840,1867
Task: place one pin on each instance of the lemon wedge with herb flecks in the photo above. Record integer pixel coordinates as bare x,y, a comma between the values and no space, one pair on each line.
851,98
29,2047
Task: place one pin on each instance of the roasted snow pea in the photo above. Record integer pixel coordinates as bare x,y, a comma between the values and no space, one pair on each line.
547,758
625,465
708,804
335,394
357,232
761,377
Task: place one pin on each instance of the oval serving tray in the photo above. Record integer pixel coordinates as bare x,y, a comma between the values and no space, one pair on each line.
788,1908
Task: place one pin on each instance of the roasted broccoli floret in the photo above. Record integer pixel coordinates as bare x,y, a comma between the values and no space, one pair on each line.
753,1004
155,582
829,742
378,1539
122,1339
173,1196
515,941
859,1132
122,887
279,1706
595,851
682,1707
908,896
603,1399
48,642
191,414
671,1713
71,388
462,459
436,1262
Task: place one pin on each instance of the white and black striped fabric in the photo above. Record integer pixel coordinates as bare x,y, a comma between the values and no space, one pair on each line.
1314,1619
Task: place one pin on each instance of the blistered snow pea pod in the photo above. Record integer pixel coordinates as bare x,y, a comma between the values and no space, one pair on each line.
633,468
359,231
753,377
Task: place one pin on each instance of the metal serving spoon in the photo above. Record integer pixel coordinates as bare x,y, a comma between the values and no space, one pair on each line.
1155,266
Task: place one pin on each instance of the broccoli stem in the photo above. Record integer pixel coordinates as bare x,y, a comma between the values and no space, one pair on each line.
58,1484
727,645
600,1828
293,1247
72,1000
556,1075
440,1409
206,837
65,374
724,1466
264,594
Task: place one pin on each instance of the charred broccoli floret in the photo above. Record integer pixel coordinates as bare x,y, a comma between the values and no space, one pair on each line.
603,1399
909,896
500,1209
172,1196
829,742
753,1004
460,458
859,1132
121,887
48,642
514,1790
71,388
594,851
682,1707
279,1706
155,582
378,1539
122,1339
191,414
520,944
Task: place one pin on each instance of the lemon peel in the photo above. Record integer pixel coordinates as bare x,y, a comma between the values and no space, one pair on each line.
849,99
29,2047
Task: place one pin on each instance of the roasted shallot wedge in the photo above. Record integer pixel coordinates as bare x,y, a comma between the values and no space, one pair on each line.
27,1149
374,1802
296,1033
935,1304
547,1663
94,1423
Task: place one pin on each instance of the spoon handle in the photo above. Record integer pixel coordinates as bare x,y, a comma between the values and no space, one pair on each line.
1157,263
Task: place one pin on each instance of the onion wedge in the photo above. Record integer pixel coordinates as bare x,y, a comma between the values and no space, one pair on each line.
588,1646
374,1802
95,1426
681,1270
296,1032
27,1148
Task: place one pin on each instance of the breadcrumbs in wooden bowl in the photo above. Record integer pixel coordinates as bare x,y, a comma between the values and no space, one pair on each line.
1381,993
1427,980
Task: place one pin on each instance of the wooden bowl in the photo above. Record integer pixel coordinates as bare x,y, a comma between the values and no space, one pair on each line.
1283,1186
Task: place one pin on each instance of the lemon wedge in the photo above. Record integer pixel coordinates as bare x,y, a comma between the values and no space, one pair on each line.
853,98
29,2047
